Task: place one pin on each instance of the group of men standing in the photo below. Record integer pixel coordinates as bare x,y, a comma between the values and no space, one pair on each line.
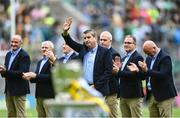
103,69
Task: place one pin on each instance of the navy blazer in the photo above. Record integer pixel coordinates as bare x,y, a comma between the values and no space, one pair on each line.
130,82
114,80
162,83
43,80
102,65
73,56
15,85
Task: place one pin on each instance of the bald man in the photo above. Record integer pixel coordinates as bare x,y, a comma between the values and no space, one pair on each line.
17,61
159,80
111,99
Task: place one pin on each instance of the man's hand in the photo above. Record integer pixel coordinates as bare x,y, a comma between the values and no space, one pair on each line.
143,66
29,75
67,25
115,67
133,67
51,56
2,69
117,60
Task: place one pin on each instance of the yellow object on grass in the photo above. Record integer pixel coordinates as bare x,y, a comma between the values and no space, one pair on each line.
78,93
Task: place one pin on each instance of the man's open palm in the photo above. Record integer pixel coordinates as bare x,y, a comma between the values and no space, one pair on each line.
67,24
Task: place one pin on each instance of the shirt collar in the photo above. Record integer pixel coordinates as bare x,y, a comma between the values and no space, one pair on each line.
130,53
16,51
154,57
45,58
68,54
94,49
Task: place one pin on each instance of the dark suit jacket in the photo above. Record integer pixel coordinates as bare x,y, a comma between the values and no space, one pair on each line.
73,56
43,80
15,85
162,83
114,80
130,82
102,65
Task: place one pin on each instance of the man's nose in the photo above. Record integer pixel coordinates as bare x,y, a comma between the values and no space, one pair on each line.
44,49
12,43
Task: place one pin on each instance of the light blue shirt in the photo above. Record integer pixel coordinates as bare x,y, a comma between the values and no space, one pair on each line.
44,60
126,59
151,66
13,56
88,65
66,56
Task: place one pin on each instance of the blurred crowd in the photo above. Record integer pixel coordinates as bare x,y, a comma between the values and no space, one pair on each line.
33,22
157,20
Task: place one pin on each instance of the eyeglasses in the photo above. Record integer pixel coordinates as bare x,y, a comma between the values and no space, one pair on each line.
128,42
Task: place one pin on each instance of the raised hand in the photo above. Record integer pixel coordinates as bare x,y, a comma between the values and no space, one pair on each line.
51,56
133,67
117,60
143,66
116,65
67,25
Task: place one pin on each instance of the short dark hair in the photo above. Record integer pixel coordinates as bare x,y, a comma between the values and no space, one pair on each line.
93,33
130,36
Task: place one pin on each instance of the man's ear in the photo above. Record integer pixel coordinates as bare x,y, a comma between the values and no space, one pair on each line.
21,41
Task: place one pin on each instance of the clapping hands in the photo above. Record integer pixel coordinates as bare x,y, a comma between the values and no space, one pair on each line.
116,64
29,75
2,69
143,66
133,67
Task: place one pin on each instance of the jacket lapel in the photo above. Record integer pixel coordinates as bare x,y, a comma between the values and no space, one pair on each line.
8,59
157,59
125,67
83,52
38,66
97,56
15,59
44,66
72,55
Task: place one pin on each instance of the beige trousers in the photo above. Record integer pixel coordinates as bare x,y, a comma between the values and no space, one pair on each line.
16,106
113,103
160,109
131,107
41,107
